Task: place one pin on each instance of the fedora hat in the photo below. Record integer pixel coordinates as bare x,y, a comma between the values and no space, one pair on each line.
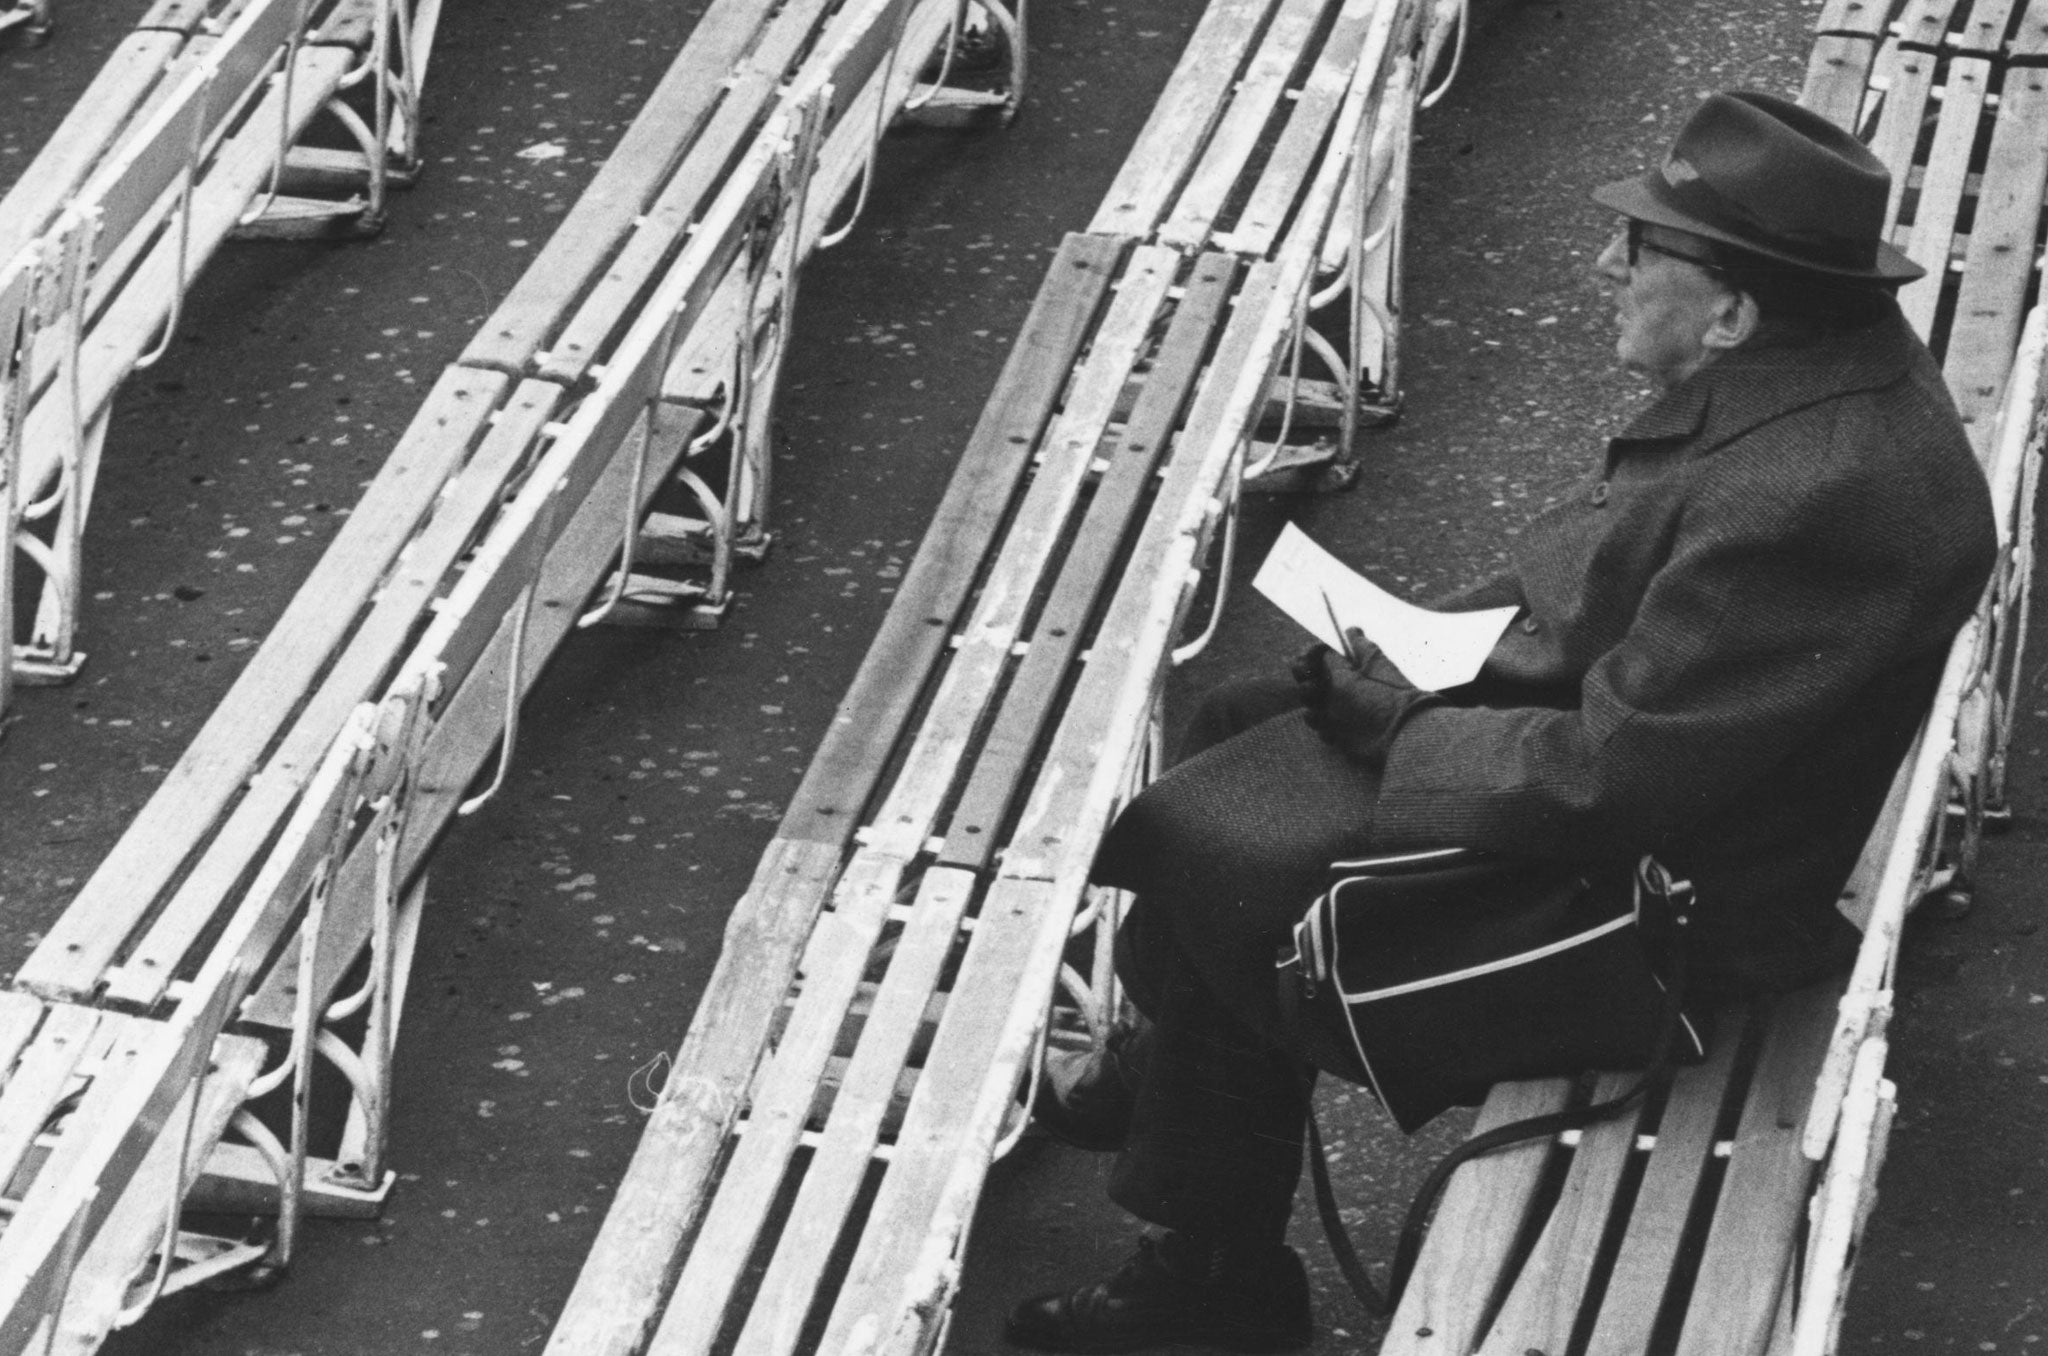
1765,175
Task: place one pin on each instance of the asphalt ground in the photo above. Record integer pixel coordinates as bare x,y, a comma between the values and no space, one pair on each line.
573,922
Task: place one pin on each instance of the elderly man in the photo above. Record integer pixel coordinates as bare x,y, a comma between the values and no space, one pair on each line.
1726,638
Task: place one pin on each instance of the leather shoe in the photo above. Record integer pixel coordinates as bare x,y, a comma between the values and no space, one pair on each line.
1177,1291
1086,1097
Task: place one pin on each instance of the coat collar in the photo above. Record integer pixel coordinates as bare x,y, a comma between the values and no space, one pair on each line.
1747,387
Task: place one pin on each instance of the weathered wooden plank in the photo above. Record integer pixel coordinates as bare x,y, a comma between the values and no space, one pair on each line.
1671,1182
1837,73
1924,23
72,151
1543,1306
616,1297
745,105
1302,143
35,1084
632,174
903,1270
1482,1214
1909,76
871,717
1083,776
2030,40
1763,1197
973,836
869,1091
1941,192
226,750
1195,96
965,696
610,305
1990,304
782,1102
20,1014
1225,159
1865,17
1983,28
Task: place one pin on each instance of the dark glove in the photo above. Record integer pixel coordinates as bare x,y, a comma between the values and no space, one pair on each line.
1362,703
1311,670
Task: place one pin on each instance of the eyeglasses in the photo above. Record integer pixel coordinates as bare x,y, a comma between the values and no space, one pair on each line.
1633,231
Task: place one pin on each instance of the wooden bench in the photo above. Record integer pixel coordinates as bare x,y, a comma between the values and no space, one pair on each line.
293,834
810,1171
1724,1217
184,129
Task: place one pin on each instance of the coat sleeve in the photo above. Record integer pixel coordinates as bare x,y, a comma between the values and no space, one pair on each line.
1781,597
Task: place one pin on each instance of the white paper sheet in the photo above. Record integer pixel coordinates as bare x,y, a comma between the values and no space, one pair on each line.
1433,650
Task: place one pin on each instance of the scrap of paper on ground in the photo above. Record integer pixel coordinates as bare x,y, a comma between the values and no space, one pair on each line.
1433,650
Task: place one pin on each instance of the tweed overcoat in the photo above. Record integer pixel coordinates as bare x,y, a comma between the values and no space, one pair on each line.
1727,636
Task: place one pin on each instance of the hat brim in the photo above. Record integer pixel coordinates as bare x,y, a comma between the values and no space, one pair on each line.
1639,198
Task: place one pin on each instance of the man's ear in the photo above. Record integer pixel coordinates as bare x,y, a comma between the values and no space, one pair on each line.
1735,321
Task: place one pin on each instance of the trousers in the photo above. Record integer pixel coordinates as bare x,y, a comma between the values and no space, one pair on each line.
1215,1147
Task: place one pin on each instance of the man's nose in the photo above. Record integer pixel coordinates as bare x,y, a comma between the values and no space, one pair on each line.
1612,263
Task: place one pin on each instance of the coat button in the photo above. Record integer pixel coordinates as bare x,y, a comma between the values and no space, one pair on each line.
1599,496
1530,626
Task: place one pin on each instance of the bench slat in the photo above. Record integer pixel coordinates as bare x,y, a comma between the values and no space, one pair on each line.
1482,1214
1989,305
617,1293
1281,53
1925,22
973,836
2030,42
39,1080
1941,192
1664,1202
213,767
1300,146
746,100
68,157
783,1093
1087,768
1543,1307
1983,31
1836,75
19,1016
1763,1198
870,719
1195,96
834,1177
631,175
1864,17
1910,74
961,705
905,1268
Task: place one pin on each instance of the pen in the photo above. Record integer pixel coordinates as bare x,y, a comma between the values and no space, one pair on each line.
1343,640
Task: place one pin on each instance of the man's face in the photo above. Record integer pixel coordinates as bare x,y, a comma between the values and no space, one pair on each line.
1664,301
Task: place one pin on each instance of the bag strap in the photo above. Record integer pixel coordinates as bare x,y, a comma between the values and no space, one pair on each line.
1381,1304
